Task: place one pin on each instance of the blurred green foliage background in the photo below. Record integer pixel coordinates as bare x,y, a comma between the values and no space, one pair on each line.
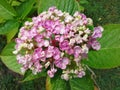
102,12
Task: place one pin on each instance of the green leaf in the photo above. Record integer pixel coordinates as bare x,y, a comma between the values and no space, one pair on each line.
12,32
109,54
6,11
30,76
9,27
56,83
15,3
9,59
83,2
84,83
2,20
81,8
24,9
65,5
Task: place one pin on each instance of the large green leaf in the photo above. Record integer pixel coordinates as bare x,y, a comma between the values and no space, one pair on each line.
2,20
12,32
65,5
24,9
8,26
30,76
9,59
6,11
82,3
109,54
84,83
56,83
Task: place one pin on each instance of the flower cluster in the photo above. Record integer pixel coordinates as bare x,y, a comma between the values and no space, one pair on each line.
56,40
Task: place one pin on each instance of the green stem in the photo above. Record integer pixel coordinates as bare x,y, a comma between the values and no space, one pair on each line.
93,76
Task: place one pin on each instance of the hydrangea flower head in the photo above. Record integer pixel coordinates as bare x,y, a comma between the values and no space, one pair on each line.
56,40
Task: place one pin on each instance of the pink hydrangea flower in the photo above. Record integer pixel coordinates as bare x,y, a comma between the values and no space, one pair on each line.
81,74
56,39
97,32
51,72
77,51
62,62
95,45
50,52
57,53
64,45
